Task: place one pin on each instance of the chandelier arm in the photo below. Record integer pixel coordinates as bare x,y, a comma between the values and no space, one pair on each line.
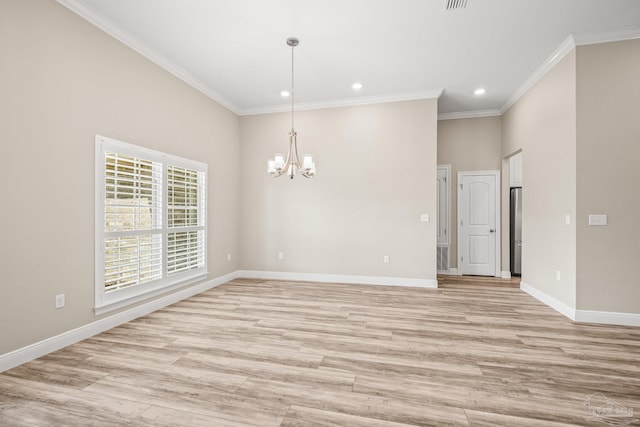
294,140
291,138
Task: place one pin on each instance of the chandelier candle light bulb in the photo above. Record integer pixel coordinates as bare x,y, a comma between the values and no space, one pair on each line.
279,166
307,162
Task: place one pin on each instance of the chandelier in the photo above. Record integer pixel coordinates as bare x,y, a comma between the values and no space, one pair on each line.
291,165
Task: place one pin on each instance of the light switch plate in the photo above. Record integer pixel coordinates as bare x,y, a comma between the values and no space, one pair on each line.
567,219
424,218
60,301
597,219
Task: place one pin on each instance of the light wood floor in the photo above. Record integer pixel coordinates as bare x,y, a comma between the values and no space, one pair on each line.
270,353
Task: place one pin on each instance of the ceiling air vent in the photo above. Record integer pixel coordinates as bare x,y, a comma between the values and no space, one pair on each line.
454,4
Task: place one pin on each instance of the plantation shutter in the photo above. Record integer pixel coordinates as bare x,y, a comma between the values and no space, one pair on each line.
132,221
185,219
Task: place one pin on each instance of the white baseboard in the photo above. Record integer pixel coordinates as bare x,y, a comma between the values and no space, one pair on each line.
338,278
505,275
46,346
583,316
608,318
557,305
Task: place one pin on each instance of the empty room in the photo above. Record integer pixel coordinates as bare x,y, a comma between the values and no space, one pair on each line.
319,213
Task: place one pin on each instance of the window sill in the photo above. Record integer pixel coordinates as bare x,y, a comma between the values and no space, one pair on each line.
115,305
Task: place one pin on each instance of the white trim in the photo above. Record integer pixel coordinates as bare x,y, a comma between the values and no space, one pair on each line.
608,318
447,169
553,59
506,275
148,52
582,316
338,278
605,36
558,306
496,174
46,346
148,295
347,102
145,50
578,39
104,301
469,114
117,32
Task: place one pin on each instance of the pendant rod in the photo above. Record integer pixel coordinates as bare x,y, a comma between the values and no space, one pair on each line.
293,45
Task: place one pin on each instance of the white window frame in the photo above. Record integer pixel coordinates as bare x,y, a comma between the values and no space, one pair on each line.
115,299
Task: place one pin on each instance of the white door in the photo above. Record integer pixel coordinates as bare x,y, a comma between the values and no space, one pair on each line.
478,223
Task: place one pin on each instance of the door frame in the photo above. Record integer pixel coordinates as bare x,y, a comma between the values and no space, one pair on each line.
496,175
447,195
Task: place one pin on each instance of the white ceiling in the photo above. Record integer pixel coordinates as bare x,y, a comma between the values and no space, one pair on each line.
235,50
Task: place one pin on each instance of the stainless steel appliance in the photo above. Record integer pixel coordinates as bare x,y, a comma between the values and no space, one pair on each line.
516,231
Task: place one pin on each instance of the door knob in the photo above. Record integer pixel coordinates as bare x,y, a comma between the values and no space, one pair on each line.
492,230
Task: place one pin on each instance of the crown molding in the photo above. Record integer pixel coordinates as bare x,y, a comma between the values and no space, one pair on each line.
606,36
469,114
561,51
347,102
145,50
578,39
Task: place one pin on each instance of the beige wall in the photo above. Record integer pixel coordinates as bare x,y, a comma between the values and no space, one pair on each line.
608,130
376,175
62,81
543,125
468,145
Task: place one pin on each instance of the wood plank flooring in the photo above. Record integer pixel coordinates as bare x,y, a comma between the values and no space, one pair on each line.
270,353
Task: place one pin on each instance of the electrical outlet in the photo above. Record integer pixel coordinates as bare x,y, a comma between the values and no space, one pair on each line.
557,275
228,257
60,301
280,256
386,259
424,218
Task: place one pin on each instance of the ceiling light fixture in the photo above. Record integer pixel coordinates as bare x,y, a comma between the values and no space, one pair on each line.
279,166
357,86
480,91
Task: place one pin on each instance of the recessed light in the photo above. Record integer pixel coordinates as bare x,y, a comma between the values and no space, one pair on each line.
284,94
357,86
480,91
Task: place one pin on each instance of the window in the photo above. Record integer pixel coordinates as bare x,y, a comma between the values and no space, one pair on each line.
150,222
